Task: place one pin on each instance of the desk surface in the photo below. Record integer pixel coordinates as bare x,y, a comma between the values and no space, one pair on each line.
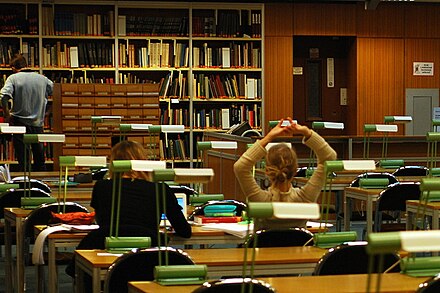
432,205
390,283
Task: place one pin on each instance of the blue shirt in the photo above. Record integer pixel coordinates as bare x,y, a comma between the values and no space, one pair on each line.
28,91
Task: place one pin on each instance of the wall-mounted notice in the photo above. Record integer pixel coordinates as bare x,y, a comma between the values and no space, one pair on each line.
423,68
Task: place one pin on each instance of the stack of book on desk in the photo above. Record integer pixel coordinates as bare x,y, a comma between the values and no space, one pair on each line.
218,214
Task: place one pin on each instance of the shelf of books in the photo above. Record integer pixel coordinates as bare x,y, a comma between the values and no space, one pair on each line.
204,58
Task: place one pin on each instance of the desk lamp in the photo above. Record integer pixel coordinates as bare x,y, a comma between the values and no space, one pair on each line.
429,192
409,241
114,242
315,126
386,128
6,129
392,120
27,201
432,138
75,161
102,120
166,274
143,128
204,146
329,239
165,129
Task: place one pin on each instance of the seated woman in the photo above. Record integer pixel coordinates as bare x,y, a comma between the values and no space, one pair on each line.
138,215
281,166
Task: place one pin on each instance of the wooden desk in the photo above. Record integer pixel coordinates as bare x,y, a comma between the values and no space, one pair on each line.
14,217
390,283
367,195
432,209
220,262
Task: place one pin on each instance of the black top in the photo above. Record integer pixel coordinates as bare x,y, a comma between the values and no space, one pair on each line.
138,205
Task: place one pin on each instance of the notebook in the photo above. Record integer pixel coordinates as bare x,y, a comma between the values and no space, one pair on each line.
181,200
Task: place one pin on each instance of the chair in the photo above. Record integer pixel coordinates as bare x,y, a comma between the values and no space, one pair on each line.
391,202
281,238
240,207
411,171
138,265
351,258
34,183
432,285
234,285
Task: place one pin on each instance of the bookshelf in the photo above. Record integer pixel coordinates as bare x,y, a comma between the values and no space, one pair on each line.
206,60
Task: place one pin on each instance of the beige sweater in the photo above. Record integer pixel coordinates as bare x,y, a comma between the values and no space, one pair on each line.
308,193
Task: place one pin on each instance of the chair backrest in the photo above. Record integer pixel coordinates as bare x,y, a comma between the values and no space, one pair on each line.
411,171
394,197
234,285
352,258
240,207
282,238
430,286
12,198
139,266
34,183
42,215
391,178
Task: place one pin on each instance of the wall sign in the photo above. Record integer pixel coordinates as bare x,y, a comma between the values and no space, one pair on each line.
423,68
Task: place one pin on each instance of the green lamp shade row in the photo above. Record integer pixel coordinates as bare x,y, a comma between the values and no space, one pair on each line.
283,210
397,119
199,199
180,274
137,165
36,138
340,165
33,202
134,127
380,127
433,136
13,129
6,186
106,119
420,266
391,164
126,243
373,183
83,161
430,184
330,239
327,125
410,241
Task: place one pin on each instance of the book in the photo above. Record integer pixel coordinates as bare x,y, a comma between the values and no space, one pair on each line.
122,25
226,57
225,118
74,61
208,220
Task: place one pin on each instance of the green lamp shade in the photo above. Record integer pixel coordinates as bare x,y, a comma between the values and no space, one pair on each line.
371,183
330,239
137,165
353,165
420,266
13,129
433,136
36,138
380,128
122,244
391,164
134,127
431,196
180,274
6,186
83,161
397,119
204,145
430,184
434,172
34,202
199,199
327,125
385,242
283,210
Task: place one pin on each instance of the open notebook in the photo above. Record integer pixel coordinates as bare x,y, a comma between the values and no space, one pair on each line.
181,200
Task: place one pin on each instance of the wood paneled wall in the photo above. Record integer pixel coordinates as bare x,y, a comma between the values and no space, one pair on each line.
389,39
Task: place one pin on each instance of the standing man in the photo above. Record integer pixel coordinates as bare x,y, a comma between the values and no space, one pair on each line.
28,92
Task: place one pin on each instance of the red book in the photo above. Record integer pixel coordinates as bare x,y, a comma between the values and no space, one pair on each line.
208,220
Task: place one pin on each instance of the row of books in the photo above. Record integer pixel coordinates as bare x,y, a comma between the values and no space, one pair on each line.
7,149
173,85
137,25
219,86
235,55
67,77
154,54
30,53
7,51
12,23
174,149
215,118
83,54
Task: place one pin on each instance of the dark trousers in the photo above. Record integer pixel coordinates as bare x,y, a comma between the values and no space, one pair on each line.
37,148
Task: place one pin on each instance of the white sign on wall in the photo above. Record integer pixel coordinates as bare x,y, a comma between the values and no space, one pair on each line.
423,68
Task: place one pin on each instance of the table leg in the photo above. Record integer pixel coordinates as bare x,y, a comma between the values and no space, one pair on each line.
8,256
347,212
96,280
19,255
369,216
52,267
338,206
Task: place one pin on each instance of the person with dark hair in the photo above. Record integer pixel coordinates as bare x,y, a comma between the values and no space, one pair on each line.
28,91
138,215
281,166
